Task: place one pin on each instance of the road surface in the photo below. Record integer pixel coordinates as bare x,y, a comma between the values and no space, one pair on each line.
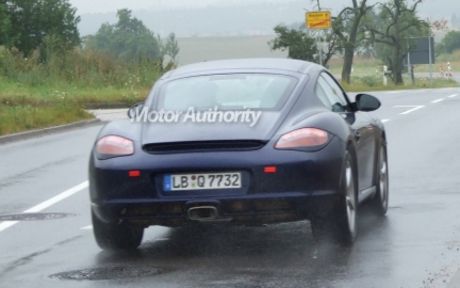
416,245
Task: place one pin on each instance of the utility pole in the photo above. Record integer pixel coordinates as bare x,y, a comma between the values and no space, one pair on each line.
319,39
409,64
430,39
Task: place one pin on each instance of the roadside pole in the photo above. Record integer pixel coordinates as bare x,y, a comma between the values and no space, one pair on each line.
319,46
430,56
410,70
319,20
319,40
421,52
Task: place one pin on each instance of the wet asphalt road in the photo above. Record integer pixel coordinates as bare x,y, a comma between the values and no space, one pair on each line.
416,245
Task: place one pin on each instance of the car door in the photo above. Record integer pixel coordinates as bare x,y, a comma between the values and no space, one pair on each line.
361,125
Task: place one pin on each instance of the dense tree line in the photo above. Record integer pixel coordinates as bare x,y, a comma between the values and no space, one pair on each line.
129,39
28,25
450,43
49,27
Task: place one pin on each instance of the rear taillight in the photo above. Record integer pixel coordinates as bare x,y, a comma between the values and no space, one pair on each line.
303,138
114,146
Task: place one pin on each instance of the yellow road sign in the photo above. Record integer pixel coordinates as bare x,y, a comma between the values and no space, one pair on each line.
318,20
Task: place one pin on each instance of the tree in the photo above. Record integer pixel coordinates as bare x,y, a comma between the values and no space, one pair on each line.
4,23
347,26
32,21
171,47
298,42
396,22
302,43
331,41
128,39
450,43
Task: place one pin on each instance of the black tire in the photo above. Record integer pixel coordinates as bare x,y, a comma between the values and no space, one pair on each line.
380,201
116,237
341,223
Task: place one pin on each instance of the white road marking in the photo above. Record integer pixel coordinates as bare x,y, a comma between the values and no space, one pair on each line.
413,108
7,224
438,100
386,120
453,96
89,227
46,204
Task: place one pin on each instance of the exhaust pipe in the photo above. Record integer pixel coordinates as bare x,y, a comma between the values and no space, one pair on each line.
203,213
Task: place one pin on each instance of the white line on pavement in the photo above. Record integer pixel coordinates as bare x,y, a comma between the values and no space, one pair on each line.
413,108
386,120
48,203
453,96
89,227
438,100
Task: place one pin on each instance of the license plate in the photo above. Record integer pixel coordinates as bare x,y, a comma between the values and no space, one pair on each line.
202,181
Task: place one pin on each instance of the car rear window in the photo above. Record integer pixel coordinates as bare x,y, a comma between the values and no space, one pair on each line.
227,92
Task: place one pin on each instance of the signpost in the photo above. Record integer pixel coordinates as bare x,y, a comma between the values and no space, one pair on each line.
421,51
318,20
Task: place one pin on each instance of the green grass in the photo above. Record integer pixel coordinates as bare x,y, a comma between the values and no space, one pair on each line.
358,85
25,107
15,119
85,96
367,75
364,66
37,92
36,96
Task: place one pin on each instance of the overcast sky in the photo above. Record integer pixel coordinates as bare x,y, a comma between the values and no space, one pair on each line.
255,16
439,7
99,6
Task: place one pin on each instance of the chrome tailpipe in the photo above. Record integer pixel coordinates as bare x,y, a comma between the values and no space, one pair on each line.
203,213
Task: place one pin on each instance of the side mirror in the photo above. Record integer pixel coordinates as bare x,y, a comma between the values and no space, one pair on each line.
367,103
135,110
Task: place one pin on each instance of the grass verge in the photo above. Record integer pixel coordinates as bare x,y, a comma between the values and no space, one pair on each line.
365,84
15,118
26,107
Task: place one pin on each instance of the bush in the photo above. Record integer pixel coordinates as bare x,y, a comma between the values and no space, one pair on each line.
370,81
81,67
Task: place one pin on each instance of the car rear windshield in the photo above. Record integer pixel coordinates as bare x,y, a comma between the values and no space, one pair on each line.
227,92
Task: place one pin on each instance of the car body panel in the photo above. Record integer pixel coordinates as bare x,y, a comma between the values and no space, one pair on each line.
305,180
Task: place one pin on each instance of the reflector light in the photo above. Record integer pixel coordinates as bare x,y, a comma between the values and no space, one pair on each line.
270,169
134,173
303,138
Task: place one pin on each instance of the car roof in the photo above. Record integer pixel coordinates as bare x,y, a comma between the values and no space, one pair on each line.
249,64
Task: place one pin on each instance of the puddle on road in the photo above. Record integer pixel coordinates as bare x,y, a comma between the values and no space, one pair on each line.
108,273
34,216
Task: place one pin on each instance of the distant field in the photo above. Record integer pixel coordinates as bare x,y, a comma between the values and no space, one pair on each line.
199,49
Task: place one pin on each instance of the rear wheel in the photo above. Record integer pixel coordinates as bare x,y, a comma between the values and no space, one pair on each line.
341,223
380,200
111,236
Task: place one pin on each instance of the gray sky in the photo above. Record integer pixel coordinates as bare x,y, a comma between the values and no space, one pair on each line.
217,17
99,6
439,7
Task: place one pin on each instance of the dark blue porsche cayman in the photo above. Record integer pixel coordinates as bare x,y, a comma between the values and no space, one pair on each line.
250,141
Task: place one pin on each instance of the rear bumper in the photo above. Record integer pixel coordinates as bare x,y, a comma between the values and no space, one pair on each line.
304,184
250,209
